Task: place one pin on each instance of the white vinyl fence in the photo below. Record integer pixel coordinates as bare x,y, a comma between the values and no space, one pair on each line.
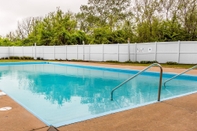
181,52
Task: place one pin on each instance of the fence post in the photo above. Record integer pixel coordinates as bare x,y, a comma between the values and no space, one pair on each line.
89,52
22,50
83,50
66,51
32,53
128,49
135,52
77,52
118,51
12,50
8,51
155,51
103,52
43,51
54,52
179,47
35,51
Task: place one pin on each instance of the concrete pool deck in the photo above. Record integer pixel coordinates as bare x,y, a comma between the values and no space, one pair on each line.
178,114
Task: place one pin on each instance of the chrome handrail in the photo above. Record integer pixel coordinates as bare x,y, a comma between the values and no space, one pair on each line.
160,80
179,74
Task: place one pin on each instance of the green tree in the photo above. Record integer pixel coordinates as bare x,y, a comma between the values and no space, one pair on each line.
111,21
102,13
100,36
187,12
57,28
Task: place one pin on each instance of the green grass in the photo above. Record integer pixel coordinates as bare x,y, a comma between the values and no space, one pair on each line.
183,66
8,60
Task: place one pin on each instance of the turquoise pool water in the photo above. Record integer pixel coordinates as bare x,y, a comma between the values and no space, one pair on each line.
60,94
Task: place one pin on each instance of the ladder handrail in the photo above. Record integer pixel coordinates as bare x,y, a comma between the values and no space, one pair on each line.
179,74
160,80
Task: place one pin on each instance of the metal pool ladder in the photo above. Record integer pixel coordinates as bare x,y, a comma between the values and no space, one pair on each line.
160,80
179,74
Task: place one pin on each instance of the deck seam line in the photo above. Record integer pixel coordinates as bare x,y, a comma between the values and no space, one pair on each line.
38,128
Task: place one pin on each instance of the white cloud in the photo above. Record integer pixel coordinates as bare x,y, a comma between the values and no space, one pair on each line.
13,10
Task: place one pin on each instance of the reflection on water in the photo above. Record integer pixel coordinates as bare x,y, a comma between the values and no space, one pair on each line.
71,92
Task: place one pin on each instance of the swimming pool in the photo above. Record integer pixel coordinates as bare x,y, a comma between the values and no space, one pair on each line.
60,94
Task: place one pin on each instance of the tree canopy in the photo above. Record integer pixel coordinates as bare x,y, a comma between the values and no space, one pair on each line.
111,21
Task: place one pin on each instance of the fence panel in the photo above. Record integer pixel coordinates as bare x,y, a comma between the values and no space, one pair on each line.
17,51
96,52
188,52
72,52
80,52
39,51
167,51
59,52
146,52
86,52
110,52
48,52
28,51
123,52
4,52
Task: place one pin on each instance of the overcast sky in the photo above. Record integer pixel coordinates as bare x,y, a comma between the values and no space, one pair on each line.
12,11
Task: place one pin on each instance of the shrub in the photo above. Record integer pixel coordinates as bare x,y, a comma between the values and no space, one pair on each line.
135,62
148,62
31,58
22,57
112,61
11,57
40,58
171,63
